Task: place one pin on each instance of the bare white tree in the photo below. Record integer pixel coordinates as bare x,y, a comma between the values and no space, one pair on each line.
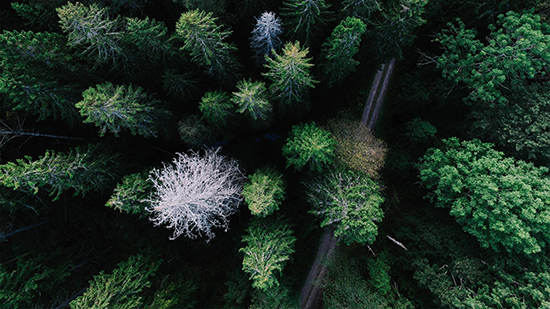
265,36
195,194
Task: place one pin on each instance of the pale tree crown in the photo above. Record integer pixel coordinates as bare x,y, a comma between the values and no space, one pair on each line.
265,36
196,193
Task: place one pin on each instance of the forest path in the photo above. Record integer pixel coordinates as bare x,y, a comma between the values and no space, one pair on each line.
312,291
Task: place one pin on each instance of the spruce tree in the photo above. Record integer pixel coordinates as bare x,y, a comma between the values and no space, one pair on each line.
265,39
251,100
264,191
309,145
114,109
304,18
206,42
216,108
339,49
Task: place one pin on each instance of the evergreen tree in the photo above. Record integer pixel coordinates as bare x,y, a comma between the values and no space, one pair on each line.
504,203
149,37
36,72
515,54
122,288
268,247
131,194
205,41
304,18
91,28
30,284
350,203
361,9
216,108
265,39
82,170
290,74
264,191
339,49
309,145
251,100
114,109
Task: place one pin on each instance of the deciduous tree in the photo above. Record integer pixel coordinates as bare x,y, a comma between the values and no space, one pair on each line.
264,191
196,193
504,203
515,54
309,145
349,202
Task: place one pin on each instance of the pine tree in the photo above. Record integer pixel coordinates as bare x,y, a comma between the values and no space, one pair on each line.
114,109
304,17
90,28
251,100
149,37
82,170
339,49
268,246
290,74
265,39
36,74
206,42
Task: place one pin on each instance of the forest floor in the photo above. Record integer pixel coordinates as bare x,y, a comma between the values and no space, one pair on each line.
312,291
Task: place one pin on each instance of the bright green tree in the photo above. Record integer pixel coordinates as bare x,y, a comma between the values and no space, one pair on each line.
81,170
131,194
39,81
514,55
206,42
269,246
339,49
350,202
304,17
251,100
116,108
122,288
90,28
290,74
264,191
216,108
504,203
309,145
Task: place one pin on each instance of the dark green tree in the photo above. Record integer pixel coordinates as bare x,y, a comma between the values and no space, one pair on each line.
131,194
116,108
339,49
504,203
309,145
35,75
122,288
216,108
303,18
514,55
350,202
81,170
206,42
269,246
290,74
264,191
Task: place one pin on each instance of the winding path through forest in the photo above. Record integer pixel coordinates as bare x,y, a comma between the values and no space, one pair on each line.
310,296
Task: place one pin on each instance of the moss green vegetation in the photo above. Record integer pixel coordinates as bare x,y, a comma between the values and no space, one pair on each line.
235,125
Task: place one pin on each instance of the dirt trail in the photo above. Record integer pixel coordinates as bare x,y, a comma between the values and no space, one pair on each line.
312,291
